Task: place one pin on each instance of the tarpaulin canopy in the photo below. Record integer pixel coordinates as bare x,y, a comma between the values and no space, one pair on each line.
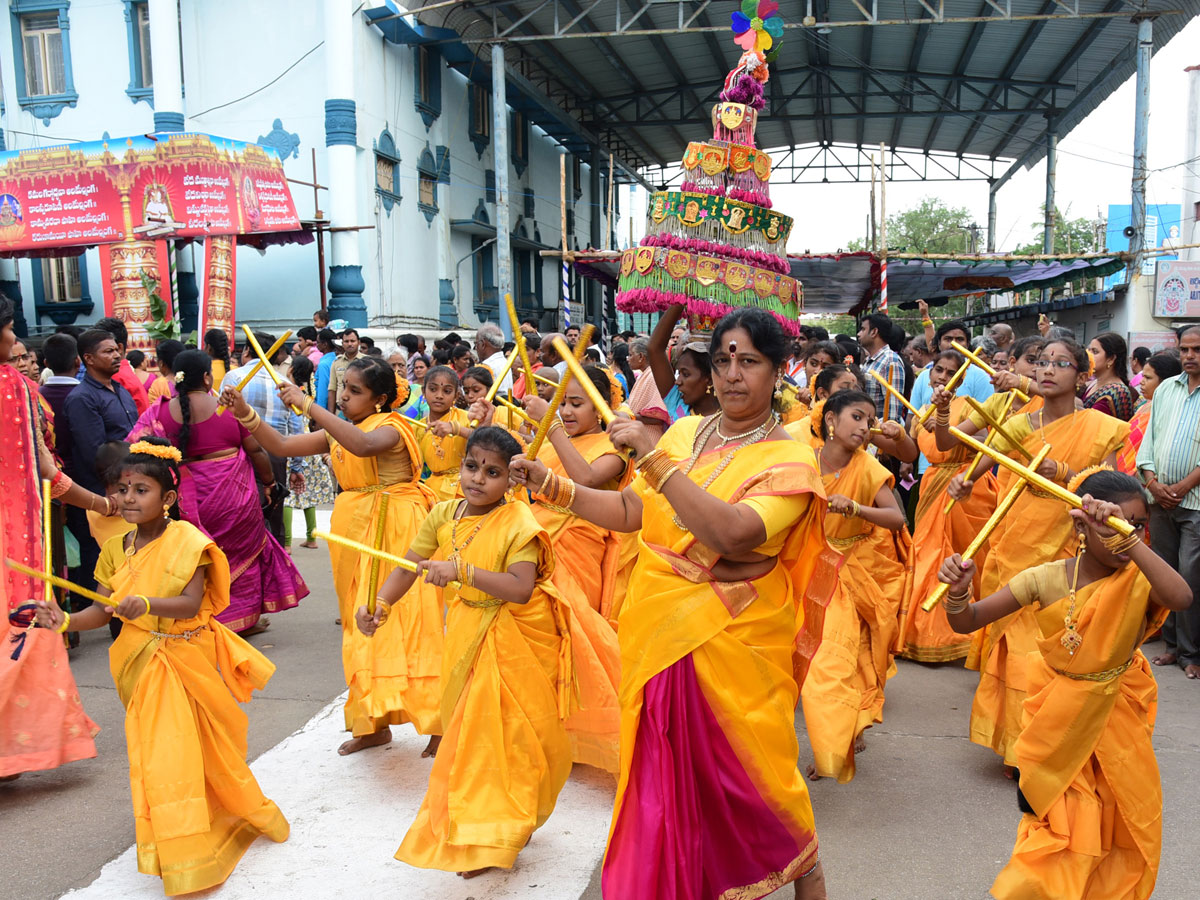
61,199
845,283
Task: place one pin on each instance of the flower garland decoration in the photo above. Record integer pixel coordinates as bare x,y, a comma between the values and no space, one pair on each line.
1084,475
168,453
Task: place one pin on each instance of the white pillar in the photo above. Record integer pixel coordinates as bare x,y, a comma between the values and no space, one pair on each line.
500,157
346,283
1189,230
165,65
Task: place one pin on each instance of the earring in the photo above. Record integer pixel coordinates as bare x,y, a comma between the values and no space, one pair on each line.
166,510
778,389
378,407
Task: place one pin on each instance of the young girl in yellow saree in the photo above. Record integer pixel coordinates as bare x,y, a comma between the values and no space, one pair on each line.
588,558
506,672
1089,783
927,636
843,693
393,679
1033,532
445,440
728,508
180,674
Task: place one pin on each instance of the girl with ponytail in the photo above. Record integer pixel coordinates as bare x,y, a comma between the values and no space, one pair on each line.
219,495
216,344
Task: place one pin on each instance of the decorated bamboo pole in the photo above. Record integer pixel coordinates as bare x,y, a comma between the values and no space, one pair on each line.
997,426
953,383
576,368
399,561
552,411
988,440
1040,482
499,377
519,340
48,578
241,385
986,531
47,540
266,361
520,413
975,358
899,396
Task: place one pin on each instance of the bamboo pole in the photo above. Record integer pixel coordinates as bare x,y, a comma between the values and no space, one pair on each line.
399,561
986,531
241,385
975,358
47,540
499,377
552,411
988,440
519,340
54,580
266,361
997,426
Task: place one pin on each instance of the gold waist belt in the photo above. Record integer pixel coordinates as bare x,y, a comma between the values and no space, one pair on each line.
180,635
947,465
1106,675
486,603
369,489
839,543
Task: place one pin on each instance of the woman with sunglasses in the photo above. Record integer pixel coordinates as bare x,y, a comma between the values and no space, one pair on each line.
1034,531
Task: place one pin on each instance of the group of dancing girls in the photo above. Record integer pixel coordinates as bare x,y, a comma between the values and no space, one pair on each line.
662,617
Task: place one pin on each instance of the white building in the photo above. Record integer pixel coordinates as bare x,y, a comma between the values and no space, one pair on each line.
408,157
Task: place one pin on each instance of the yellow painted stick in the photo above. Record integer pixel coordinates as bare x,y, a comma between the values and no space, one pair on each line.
986,531
559,392
543,379
519,340
241,385
497,378
576,369
1038,481
997,426
512,407
266,361
895,393
399,561
47,540
950,386
47,578
988,440
975,358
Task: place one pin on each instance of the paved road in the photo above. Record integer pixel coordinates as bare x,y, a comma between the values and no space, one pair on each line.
929,816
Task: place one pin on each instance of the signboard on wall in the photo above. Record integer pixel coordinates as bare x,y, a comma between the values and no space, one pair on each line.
181,185
1162,231
1177,289
1154,341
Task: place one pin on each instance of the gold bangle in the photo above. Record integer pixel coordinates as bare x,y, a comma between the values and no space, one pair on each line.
65,622
383,606
856,510
955,604
545,481
250,422
1119,543
470,582
145,600
646,461
308,402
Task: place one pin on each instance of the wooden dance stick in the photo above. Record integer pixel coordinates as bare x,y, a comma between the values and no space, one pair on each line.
54,580
988,440
399,561
576,369
950,386
241,385
543,379
499,377
266,361
1039,481
975,358
997,426
559,392
986,531
519,340
896,394
47,540
521,414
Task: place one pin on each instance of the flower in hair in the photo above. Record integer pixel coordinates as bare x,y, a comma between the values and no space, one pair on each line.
171,454
1081,477
1091,364
816,417
179,376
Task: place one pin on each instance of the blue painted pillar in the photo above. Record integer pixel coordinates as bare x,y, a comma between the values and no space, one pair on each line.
346,284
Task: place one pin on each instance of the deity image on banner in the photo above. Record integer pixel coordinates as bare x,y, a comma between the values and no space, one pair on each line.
156,205
12,223
250,210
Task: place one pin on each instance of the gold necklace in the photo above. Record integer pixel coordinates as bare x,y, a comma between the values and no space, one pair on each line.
1071,639
706,430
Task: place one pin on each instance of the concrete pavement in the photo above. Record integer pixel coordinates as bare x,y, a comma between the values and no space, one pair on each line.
929,816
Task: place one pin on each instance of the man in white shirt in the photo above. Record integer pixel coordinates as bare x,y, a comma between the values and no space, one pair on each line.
489,347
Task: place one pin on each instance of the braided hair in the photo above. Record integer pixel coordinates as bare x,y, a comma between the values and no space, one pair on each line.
216,341
190,368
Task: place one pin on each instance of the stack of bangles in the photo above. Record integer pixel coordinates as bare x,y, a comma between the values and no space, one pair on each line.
657,468
382,609
1024,384
306,406
558,492
465,571
1120,544
1062,472
251,421
927,323
854,511
956,603
942,417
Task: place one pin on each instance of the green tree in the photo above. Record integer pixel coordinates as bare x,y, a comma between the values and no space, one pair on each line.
1070,236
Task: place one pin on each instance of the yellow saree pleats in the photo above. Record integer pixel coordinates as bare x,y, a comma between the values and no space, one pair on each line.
1085,754
443,456
197,806
505,754
587,560
843,694
393,676
1034,531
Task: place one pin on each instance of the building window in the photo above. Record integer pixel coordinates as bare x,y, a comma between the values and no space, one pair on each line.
480,130
137,29
577,176
42,55
427,182
489,185
518,127
529,203
484,277
428,90
387,171
61,281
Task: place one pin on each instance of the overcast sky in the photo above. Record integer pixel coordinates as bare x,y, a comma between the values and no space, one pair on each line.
1094,169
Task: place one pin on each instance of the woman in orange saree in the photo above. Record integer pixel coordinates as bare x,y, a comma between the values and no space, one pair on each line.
588,558
709,800
927,636
1089,783
506,669
393,679
1032,532
180,674
843,693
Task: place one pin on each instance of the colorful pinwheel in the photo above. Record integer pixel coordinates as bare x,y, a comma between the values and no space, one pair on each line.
756,26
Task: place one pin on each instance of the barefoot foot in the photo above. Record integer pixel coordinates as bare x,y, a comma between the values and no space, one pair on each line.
1010,772
257,628
860,743
377,739
431,748
1165,659
475,872
811,772
309,545
1192,671
812,885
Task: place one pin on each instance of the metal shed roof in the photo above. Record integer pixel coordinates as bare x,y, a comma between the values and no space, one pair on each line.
982,80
